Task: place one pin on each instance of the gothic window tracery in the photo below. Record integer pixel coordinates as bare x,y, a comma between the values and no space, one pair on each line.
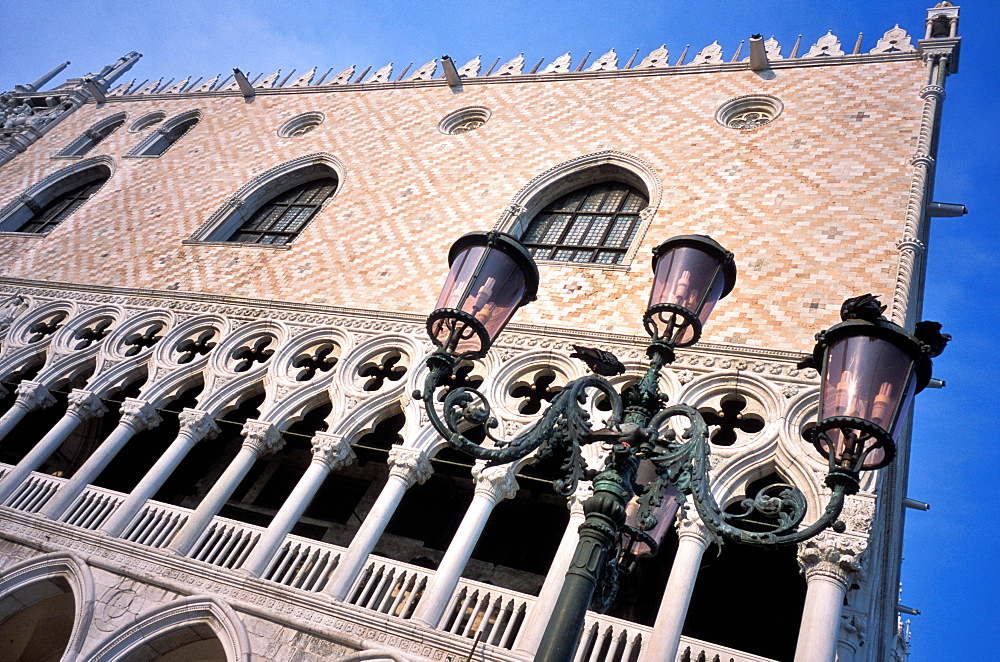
160,140
70,193
283,217
594,224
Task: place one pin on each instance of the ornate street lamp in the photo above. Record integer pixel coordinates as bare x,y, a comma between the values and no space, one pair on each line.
870,371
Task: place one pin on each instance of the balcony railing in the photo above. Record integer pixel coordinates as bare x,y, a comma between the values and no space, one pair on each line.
488,614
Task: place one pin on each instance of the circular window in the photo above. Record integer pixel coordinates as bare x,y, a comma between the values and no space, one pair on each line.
146,121
749,112
464,120
300,125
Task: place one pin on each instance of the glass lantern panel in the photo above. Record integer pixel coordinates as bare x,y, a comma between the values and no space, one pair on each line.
690,278
871,379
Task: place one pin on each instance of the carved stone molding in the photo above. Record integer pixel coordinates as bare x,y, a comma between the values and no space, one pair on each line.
261,437
832,555
84,405
689,525
496,483
139,415
410,464
331,451
198,425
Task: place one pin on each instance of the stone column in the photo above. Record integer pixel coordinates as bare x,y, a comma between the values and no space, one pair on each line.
260,438
493,485
329,453
828,562
538,616
30,396
82,405
137,415
196,425
407,466
693,539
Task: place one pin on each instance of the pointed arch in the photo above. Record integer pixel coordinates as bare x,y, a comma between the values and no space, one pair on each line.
266,190
160,140
93,136
41,576
199,615
629,176
51,201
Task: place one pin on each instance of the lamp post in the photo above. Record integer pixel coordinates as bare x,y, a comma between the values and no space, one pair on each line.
870,370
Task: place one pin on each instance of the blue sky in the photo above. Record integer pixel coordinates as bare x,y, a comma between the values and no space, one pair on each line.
951,570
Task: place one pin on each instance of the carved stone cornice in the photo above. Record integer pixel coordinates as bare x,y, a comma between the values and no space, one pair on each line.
33,395
833,556
331,451
198,425
261,437
410,464
496,483
84,405
139,415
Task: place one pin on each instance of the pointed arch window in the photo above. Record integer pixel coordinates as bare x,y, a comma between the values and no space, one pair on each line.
93,136
160,140
283,217
594,224
43,207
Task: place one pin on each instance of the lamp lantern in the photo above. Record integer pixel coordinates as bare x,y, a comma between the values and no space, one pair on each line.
870,372
691,274
491,276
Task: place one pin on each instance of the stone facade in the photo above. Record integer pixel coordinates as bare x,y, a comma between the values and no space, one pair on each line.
135,290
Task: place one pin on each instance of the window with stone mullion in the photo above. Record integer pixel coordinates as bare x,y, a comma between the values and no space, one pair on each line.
59,208
594,224
281,219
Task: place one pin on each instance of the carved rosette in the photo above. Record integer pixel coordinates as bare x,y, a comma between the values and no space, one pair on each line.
84,405
410,464
496,483
331,451
32,396
262,438
198,425
139,415
833,556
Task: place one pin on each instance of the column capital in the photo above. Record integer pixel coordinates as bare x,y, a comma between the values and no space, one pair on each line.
84,405
33,395
494,482
139,415
331,451
834,556
690,525
410,464
261,437
198,424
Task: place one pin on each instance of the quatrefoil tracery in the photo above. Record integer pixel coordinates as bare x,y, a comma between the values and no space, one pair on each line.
730,419
252,353
314,361
93,333
139,341
190,348
47,326
381,368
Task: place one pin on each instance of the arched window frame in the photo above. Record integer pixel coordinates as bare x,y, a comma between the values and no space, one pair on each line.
160,140
92,137
22,208
596,168
259,191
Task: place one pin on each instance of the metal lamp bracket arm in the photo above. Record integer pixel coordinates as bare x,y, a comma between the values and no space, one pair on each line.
685,464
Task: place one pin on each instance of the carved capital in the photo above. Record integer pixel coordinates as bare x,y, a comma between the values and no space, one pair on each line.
933,90
832,555
262,437
689,524
32,396
84,405
497,483
331,451
198,425
410,464
139,415
911,244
